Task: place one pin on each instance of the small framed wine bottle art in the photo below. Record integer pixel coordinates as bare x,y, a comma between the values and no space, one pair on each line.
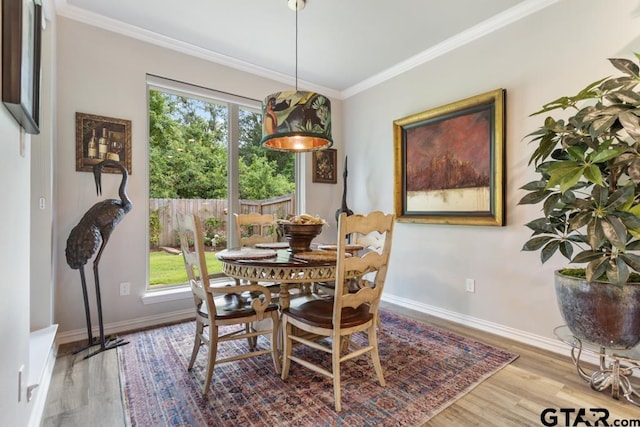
99,138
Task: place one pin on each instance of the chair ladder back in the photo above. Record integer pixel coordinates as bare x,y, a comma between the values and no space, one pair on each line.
240,307
255,228
192,246
369,268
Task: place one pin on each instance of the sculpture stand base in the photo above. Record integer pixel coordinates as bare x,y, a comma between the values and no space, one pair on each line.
108,345
111,342
615,368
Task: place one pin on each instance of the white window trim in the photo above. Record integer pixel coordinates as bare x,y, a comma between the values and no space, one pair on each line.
175,87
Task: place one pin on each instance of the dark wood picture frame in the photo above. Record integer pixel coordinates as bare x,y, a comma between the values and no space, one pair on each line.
22,20
449,163
323,165
91,130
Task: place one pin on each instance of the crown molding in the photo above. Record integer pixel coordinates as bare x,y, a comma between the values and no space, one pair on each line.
476,32
113,25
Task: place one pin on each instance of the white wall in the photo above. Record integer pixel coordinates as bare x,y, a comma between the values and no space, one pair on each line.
26,303
104,74
552,53
14,264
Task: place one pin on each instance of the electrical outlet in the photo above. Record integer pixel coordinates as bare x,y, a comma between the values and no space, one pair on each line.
471,285
125,288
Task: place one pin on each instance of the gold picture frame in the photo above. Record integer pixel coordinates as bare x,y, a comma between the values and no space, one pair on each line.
323,165
99,138
449,163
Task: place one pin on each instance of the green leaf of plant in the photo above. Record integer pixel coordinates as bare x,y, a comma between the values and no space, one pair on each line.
631,123
635,232
580,220
625,65
534,185
606,155
551,204
568,197
617,272
535,197
595,233
596,268
570,179
536,243
634,170
577,152
557,167
614,231
548,251
593,174
602,125
629,97
615,83
632,260
633,246
541,225
630,220
600,195
620,197
566,249
578,238
586,256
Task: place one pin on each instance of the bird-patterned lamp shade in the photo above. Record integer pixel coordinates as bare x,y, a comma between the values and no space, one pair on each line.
296,121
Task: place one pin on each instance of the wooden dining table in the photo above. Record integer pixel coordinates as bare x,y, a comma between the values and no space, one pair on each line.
279,266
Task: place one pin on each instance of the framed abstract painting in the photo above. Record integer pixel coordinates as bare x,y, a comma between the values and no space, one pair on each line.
449,163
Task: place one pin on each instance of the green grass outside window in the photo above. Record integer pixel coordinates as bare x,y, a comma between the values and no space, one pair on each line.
168,269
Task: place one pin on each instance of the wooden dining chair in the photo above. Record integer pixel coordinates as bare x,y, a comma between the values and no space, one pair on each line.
255,228
345,313
221,306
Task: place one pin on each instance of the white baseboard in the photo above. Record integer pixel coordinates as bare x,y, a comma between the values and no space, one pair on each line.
127,325
552,345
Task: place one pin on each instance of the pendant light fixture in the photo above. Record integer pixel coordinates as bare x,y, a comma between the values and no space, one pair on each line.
296,121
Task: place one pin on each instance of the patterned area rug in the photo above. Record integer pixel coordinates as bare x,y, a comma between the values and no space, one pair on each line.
426,370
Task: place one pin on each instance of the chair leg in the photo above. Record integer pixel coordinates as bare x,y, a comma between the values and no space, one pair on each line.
274,340
196,343
251,341
375,357
211,360
286,347
335,368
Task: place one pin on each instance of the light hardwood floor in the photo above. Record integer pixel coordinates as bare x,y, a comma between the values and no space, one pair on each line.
87,392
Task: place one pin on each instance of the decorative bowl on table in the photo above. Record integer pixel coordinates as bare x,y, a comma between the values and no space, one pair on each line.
300,231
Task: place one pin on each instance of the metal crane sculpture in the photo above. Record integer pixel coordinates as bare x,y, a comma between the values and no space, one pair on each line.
92,233
344,208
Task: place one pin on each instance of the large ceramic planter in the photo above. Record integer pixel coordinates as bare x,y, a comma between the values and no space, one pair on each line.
599,312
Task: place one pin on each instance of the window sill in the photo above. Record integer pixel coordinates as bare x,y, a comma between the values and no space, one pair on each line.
175,294
165,295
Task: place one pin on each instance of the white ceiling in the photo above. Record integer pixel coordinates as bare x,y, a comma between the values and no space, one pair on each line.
344,46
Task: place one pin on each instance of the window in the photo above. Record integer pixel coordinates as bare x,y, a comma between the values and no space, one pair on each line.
205,157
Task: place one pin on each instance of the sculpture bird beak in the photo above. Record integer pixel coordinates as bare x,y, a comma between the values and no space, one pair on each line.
97,177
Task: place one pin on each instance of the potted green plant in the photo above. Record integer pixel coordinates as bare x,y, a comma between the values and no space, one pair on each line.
589,188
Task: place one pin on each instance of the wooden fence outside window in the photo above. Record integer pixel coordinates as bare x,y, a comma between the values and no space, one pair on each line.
166,210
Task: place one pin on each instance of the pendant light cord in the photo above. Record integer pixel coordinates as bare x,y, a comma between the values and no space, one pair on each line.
296,47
